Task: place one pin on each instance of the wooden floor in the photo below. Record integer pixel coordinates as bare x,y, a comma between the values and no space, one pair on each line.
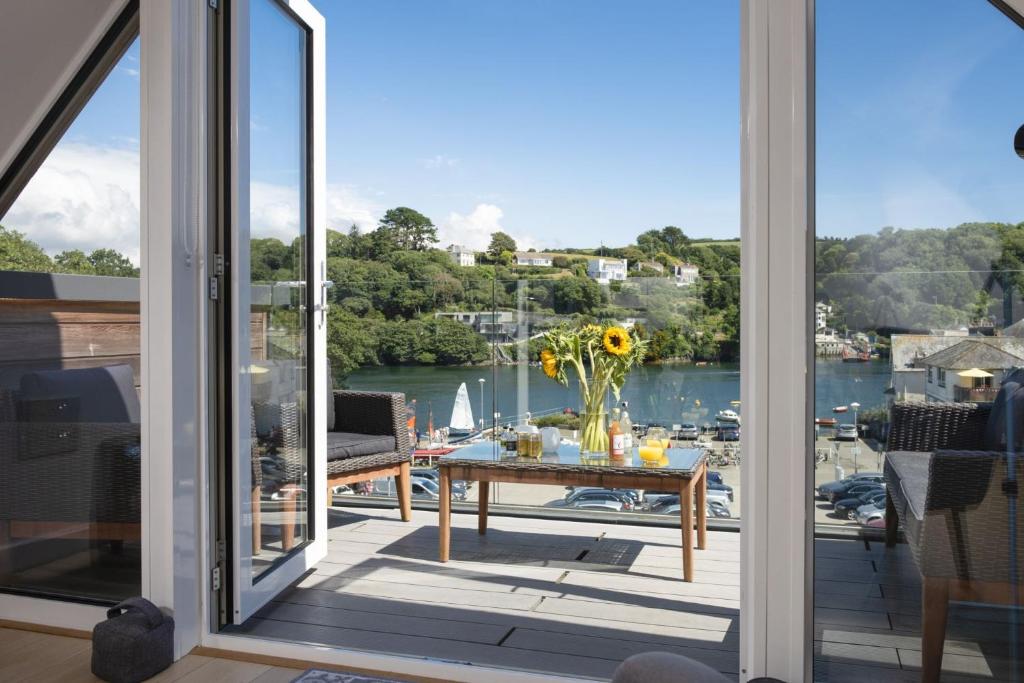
577,598
44,658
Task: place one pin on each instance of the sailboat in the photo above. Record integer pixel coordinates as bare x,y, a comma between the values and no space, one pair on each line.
462,414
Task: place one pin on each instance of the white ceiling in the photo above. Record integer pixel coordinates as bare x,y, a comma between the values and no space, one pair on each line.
43,43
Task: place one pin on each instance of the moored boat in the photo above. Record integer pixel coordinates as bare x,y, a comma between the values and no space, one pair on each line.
461,423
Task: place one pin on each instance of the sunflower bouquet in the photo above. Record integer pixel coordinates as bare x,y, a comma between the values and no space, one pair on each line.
601,357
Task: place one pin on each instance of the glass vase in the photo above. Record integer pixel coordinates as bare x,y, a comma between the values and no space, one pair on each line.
594,433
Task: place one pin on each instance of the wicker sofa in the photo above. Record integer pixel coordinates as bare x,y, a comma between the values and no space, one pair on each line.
70,456
952,483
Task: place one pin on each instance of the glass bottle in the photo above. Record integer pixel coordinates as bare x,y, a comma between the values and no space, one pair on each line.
616,439
627,427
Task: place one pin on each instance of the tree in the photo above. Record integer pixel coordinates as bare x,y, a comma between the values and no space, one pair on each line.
111,263
74,261
576,295
500,242
19,253
407,228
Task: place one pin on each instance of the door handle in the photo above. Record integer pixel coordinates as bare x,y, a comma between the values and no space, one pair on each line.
323,306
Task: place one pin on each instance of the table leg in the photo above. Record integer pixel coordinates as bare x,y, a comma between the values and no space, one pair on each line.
485,495
686,521
445,512
702,508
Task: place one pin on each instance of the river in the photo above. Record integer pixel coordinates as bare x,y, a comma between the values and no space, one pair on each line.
664,393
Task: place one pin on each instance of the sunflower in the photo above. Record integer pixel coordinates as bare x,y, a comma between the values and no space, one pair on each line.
591,329
616,341
549,362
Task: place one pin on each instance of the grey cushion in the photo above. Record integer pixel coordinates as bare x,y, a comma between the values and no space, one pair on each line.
906,479
341,445
665,667
1006,420
104,394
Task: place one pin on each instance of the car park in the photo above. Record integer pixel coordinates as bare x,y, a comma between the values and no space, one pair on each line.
590,496
600,505
855,490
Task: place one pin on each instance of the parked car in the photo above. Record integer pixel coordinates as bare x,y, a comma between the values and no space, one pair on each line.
714,509
854,491
846,432
435,490
587,497
725,488
688,430
421,488
601,505
825,489
658,505
876,523
728,432
435,476
847,507
632,494
870,515
715,476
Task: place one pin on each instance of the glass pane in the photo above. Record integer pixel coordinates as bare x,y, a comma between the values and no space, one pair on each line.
70,414
278,256
917,310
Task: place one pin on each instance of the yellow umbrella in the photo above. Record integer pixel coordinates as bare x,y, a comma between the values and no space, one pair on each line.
974,372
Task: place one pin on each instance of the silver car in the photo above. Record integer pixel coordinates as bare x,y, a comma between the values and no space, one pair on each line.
688,430
846,432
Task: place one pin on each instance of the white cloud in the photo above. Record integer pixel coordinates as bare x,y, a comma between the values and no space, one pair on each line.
275,210
474,230
82,197
134,73
439,161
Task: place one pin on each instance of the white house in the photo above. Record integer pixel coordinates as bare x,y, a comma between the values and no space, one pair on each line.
686,274
461,255
821,313
969,371
606,270
534,258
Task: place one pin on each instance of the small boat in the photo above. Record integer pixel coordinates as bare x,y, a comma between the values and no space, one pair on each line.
840,409
826,421
855,356
728,415
461,423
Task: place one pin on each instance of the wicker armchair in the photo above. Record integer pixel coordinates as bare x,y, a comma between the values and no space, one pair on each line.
369,439
70,469
959,509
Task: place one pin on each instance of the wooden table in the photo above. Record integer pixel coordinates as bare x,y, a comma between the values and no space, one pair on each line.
682,471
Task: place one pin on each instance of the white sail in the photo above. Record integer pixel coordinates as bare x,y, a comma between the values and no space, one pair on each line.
462,413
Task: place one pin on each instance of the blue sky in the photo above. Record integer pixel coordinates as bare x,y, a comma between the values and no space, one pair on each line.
580,122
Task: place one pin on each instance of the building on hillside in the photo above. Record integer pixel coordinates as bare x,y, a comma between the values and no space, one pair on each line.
606,270
498,326
969,371
535,258
686,274
461,255
821,313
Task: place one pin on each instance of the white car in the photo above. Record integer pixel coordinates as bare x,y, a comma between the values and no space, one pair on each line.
846,432
865,514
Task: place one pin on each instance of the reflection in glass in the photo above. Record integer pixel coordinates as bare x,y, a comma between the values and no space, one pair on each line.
70,413
278,246
916,457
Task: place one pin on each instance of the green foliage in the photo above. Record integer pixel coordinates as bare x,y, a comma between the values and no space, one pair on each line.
111,263
560,420
500,243
405,228
22,254
577,295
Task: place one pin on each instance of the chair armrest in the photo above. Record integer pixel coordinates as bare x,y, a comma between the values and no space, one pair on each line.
927,427
368,412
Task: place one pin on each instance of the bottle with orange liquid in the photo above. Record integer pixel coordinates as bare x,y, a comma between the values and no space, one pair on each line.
616,439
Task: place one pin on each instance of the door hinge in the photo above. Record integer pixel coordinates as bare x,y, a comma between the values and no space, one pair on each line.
221,552
214,288
218,264
215,579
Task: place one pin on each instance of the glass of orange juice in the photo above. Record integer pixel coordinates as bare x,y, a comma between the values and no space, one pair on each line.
652,448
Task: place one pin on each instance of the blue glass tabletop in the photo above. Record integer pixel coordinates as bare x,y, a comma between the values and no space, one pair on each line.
681,460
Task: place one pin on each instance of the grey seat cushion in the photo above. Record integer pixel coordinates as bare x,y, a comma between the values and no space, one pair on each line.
104,394
906,478
342,445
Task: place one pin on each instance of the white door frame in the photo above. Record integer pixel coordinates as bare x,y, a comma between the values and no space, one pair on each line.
777,189
248,595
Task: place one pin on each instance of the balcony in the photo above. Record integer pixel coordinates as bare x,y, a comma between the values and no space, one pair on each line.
975,394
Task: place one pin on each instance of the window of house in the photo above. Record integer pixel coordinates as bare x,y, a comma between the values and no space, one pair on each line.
942,377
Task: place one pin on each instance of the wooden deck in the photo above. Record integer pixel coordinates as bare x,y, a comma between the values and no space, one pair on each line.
577,598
